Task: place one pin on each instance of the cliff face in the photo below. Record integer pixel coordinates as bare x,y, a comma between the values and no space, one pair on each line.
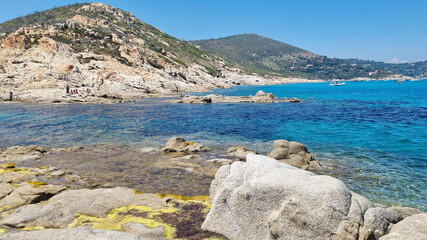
100,50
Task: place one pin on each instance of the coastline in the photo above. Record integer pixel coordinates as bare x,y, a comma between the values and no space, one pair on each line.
113,165
58,96
100,96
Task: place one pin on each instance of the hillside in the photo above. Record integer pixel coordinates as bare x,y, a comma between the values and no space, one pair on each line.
414,70
101,52
257,54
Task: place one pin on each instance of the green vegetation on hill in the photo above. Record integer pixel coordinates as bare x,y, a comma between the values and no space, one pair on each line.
257,54
51,16
97,39
415,70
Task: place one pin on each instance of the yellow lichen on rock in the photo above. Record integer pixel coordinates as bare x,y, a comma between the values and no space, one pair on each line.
36,184
185,198
14,184
32,228
10,167
2,230
137,192
4,208
127,214
7,165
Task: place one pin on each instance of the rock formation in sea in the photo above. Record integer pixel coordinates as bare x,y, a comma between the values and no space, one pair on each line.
293,153
178,144
260,97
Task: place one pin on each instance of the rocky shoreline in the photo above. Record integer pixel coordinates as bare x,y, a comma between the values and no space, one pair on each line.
38,200
91,95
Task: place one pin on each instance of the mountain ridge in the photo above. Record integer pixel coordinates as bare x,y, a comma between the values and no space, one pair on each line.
262,55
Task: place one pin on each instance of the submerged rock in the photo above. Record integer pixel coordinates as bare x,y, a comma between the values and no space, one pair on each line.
293,153
293,100
177,144
194,99
263,198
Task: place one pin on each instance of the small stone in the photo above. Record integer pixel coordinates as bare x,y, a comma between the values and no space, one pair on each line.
57,173
239,152
178,144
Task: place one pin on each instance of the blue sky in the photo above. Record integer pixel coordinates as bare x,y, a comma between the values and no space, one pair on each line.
366,29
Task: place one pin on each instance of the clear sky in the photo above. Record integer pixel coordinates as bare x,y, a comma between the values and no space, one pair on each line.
366,29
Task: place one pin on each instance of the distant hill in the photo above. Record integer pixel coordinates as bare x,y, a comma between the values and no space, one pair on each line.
257,54
415,70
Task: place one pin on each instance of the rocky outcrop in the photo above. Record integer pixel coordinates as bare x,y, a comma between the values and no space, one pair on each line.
136,215
260,97
21,186
60,210
293,153
239,152
413,227
263,198
29,192
70,234
177,144
17,154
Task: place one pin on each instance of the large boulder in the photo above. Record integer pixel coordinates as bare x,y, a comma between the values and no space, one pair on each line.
177,144
293,153
378,222
413,227
263,198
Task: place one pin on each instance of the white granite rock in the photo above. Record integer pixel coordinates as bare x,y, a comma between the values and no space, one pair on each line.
263,198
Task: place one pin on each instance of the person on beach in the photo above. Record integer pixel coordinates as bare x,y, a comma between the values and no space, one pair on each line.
11,96
67,89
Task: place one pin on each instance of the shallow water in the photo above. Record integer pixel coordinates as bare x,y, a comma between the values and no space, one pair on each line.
376,131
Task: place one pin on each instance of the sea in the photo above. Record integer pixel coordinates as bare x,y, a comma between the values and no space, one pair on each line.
372,135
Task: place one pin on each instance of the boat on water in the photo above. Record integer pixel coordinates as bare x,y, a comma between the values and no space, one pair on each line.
335,83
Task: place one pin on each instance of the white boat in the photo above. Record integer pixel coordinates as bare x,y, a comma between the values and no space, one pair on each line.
335,83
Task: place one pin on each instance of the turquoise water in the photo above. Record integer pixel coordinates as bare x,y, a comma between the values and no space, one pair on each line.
375,131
